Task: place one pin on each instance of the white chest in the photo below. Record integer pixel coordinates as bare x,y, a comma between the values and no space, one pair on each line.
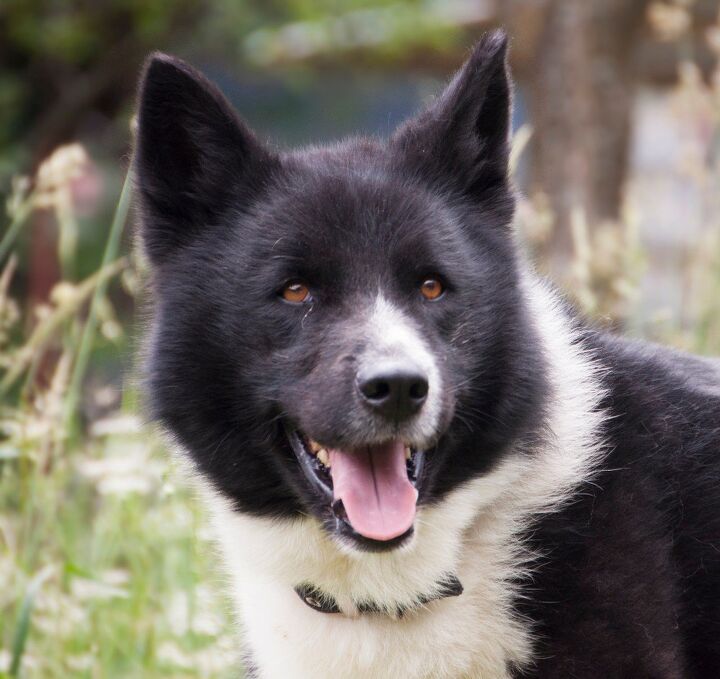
454,638
475,635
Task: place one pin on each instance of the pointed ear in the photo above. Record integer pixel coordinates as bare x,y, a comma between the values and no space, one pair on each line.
194,157
462,139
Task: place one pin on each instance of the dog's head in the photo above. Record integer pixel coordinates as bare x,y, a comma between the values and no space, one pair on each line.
338,331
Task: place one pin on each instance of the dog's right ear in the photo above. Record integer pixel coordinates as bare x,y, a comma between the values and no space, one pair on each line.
194,158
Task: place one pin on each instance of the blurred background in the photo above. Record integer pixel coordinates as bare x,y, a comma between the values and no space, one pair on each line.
105,565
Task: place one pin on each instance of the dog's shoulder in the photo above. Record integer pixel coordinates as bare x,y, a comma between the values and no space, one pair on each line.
663,434
665,390
631,567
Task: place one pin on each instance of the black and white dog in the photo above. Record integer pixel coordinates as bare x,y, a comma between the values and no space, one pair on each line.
419,461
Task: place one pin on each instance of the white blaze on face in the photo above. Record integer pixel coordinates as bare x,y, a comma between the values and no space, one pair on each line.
392,338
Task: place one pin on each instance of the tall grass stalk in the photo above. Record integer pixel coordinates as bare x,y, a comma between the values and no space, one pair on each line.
23,211
89,331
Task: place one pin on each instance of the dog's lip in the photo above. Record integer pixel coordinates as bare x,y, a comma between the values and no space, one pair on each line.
321,480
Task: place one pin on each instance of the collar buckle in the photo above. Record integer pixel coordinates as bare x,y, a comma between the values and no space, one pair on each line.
317,600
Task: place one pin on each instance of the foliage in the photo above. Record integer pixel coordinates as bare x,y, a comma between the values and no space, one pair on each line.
610,260
72,64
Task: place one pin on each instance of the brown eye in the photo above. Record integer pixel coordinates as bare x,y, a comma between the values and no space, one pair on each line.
431,288
296,292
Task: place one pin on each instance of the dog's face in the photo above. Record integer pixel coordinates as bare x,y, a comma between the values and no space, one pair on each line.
337,331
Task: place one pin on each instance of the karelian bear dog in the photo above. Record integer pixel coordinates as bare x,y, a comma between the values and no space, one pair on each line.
419,461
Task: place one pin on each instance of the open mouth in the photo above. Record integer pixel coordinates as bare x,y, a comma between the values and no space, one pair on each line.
371,490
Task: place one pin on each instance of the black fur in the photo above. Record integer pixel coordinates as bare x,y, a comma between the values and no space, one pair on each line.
629,583
630,586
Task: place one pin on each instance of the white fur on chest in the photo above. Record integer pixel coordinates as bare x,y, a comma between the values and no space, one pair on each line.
474,533
472,635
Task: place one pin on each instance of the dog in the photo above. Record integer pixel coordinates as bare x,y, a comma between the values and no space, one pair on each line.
418,459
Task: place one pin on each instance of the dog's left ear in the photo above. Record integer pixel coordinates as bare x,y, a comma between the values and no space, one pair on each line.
462,139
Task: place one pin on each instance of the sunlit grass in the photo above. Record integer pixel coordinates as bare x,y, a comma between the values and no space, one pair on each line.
105,568
127,571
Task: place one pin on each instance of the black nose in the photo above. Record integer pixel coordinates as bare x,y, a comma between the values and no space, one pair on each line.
394,391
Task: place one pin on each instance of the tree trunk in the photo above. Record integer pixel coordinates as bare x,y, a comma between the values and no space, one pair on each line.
580,81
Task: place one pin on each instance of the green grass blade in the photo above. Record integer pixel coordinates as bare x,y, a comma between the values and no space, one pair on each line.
22,631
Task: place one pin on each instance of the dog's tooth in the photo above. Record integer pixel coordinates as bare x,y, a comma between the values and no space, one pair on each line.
314,446
323,456
408,453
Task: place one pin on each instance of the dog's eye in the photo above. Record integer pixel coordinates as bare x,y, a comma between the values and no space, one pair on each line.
296,292
431,288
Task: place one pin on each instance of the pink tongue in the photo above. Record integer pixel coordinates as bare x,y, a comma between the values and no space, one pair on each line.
373,484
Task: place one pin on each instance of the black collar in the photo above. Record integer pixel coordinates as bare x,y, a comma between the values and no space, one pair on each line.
320,601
